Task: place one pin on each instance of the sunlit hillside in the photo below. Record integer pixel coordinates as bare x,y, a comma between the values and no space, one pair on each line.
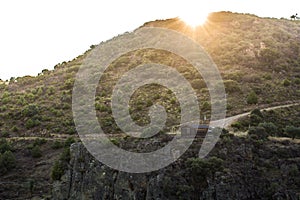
258,58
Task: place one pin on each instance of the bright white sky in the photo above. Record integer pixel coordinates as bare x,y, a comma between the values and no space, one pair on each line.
36,34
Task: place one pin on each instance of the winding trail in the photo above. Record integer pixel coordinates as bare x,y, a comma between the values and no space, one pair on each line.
229,120
218,123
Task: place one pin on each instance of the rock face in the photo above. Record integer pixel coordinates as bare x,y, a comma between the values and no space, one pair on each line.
251,171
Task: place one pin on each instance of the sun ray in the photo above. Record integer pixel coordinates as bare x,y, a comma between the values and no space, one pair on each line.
194,19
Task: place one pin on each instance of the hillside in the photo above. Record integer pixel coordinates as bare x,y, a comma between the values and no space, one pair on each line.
258,58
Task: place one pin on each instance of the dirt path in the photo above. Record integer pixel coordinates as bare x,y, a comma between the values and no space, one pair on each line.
219,123
228,121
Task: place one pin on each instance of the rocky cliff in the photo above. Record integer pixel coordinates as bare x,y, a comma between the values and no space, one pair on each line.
251,169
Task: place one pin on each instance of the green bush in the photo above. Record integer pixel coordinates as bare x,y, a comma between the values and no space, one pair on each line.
7,162
4,134
14,129
252,98
297,81
38,141
50,90
198,84
71,130
58,170
200,169
286,83
30,110
293,132
68,84
101,107
30,123
3,108
237,125
65,155
232,86
268,56
258,132
255,120
269,127
69,141
205,106
29,96
36,152
6,100
56,145
4,146
61,165
257,112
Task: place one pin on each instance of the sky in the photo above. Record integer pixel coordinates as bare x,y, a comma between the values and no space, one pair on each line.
37,35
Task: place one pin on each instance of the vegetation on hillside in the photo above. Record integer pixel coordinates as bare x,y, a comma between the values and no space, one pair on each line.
259,61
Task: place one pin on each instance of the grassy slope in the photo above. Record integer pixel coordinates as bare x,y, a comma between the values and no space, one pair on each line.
253,54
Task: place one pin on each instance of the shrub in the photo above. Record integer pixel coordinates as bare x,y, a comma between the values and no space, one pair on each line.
269,127
101,107
297,81
257,112
4,134
30,123
3,108
36,152
69,141
4,146
252,98
50,90
14,129
286,83
6,100
58,170
39,141
65,155
61,165
293,132
30,110
268,56
267,76
200,169
7,162
198,84
29,96
258,132
71,130
68,84
5,94
231,86
206,106
56,145
237,125
255,119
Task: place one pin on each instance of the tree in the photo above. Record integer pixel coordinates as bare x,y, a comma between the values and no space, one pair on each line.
293,131
257,112
256,117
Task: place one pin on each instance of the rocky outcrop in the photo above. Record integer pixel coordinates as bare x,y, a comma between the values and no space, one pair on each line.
251,171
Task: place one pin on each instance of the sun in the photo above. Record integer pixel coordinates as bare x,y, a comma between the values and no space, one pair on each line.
194,19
